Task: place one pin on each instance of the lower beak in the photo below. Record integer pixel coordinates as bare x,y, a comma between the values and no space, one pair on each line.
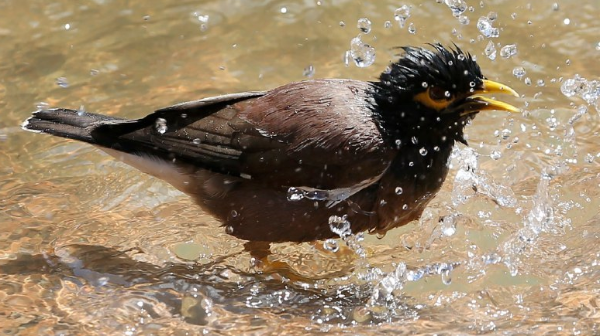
477,103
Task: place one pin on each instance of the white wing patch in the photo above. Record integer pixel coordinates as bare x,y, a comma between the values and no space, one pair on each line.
333,196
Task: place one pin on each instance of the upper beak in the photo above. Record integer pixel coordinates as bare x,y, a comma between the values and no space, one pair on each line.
476,103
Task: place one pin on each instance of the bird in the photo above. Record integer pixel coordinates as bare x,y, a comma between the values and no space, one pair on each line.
305,160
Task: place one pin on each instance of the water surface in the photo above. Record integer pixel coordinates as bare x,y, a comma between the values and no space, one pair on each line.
91,246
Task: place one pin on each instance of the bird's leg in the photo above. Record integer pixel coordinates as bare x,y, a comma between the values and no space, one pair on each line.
259,250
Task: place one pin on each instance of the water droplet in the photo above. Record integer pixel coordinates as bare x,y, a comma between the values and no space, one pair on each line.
398,143
229,229
399,190
492,16
316,195
581,110
401,14
552,123
309,71
294,194
400,271
234,213
160,125
414,140
347,57
573,86
508,51
490,50
446,279
364,25
387,24
436,148
464,20
339,226
484,24
410,164
62,82
342,24
414,275
362,53
405,207
331,245
589,158
495,155
424,84
527,81
456,6
389,284
196,141
412,29
555,6
519,72
423,151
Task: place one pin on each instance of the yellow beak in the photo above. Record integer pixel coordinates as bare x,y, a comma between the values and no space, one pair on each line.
495,87
476,103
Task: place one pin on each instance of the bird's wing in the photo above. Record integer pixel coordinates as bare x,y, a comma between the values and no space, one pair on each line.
317,135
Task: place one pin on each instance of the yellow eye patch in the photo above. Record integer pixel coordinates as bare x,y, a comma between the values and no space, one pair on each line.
434,98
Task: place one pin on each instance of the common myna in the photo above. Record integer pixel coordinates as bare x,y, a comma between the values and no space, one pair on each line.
274,166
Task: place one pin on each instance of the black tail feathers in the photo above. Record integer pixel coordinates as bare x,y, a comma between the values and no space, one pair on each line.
66,123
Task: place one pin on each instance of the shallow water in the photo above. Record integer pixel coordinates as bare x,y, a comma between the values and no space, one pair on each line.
91,246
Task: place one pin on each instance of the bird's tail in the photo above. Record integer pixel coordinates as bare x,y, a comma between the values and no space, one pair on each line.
66,123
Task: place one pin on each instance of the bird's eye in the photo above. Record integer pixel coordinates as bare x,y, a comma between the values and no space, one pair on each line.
437,93
435,97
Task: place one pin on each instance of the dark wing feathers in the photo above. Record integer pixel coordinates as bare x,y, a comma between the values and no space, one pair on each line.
201,103
318,134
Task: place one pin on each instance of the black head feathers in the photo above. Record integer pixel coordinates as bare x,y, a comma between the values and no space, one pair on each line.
418,68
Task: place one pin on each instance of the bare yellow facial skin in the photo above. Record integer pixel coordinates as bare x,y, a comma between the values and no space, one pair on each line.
437,99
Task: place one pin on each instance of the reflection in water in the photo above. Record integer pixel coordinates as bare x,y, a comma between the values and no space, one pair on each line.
90,246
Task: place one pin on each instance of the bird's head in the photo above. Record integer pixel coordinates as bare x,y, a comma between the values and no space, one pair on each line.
439,89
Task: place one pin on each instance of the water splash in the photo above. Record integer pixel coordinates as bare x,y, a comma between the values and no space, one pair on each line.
160,125
464,20
536,221
309,71
490,50
519,72
458,7
508,51
364,25
343,229
362,53
484,24
469,181
401,14
588,90
340,226
63,82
